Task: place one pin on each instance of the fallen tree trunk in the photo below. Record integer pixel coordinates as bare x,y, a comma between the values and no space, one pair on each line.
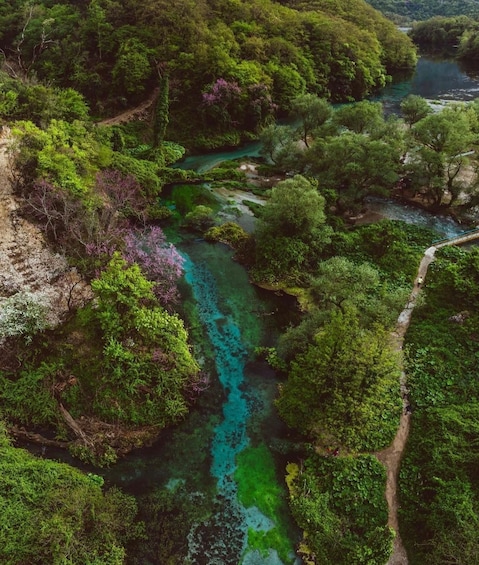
33,437
73,425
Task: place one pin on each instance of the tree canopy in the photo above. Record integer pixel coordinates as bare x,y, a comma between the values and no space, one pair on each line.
291,231
340,387
229,63
53,513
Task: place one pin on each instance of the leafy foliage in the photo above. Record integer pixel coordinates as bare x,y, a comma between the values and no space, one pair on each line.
406,12
147,362
28,399
438,480
52,513
343,385
291,232
352,166
23,314
439,151
340,504
230,66
442,32
67,154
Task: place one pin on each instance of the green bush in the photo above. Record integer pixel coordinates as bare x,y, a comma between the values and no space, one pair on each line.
340,504
53,513
28,399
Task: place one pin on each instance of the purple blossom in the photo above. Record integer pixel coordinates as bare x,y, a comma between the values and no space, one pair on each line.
159,260
221,93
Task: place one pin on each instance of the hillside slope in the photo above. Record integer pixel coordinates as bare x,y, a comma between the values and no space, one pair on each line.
232,65
418,11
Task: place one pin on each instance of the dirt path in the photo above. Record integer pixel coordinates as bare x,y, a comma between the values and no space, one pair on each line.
26,263
391,456
140,112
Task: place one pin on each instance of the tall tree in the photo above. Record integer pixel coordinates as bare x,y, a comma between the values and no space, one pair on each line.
161,117
414,108
352,166
291,231
441,144
312,112
343,384
362,117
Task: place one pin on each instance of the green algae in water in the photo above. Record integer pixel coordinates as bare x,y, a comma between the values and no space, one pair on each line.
258,487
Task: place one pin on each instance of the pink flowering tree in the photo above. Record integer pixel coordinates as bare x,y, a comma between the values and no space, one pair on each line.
221,102
158,259
122,196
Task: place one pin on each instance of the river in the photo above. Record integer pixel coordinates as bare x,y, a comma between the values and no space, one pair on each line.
206,487
435,79
195,467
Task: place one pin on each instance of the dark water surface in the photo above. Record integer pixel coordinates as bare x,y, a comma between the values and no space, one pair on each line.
435,79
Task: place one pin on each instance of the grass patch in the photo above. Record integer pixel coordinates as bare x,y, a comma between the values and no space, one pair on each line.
258,486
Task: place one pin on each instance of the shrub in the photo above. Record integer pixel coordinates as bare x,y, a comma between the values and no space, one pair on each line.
23,314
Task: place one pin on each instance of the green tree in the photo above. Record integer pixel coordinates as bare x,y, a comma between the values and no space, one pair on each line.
66,154
133,67
338,280
343,385
352,166
161,112
312,112
441,143
146,364
362,117
291,231
279,145
414,108
53,513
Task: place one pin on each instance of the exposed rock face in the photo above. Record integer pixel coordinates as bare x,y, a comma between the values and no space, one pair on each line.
26,262
460,318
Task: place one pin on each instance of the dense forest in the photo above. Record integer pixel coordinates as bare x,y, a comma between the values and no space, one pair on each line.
231,65
405,12
457,37
123,364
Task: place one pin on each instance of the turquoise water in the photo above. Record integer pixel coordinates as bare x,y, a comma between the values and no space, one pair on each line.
190,474
187,483
229,309
202,163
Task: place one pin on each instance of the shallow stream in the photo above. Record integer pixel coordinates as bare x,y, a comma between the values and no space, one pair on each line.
214,476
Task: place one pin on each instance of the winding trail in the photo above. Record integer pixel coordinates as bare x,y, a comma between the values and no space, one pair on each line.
392,455
142,112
